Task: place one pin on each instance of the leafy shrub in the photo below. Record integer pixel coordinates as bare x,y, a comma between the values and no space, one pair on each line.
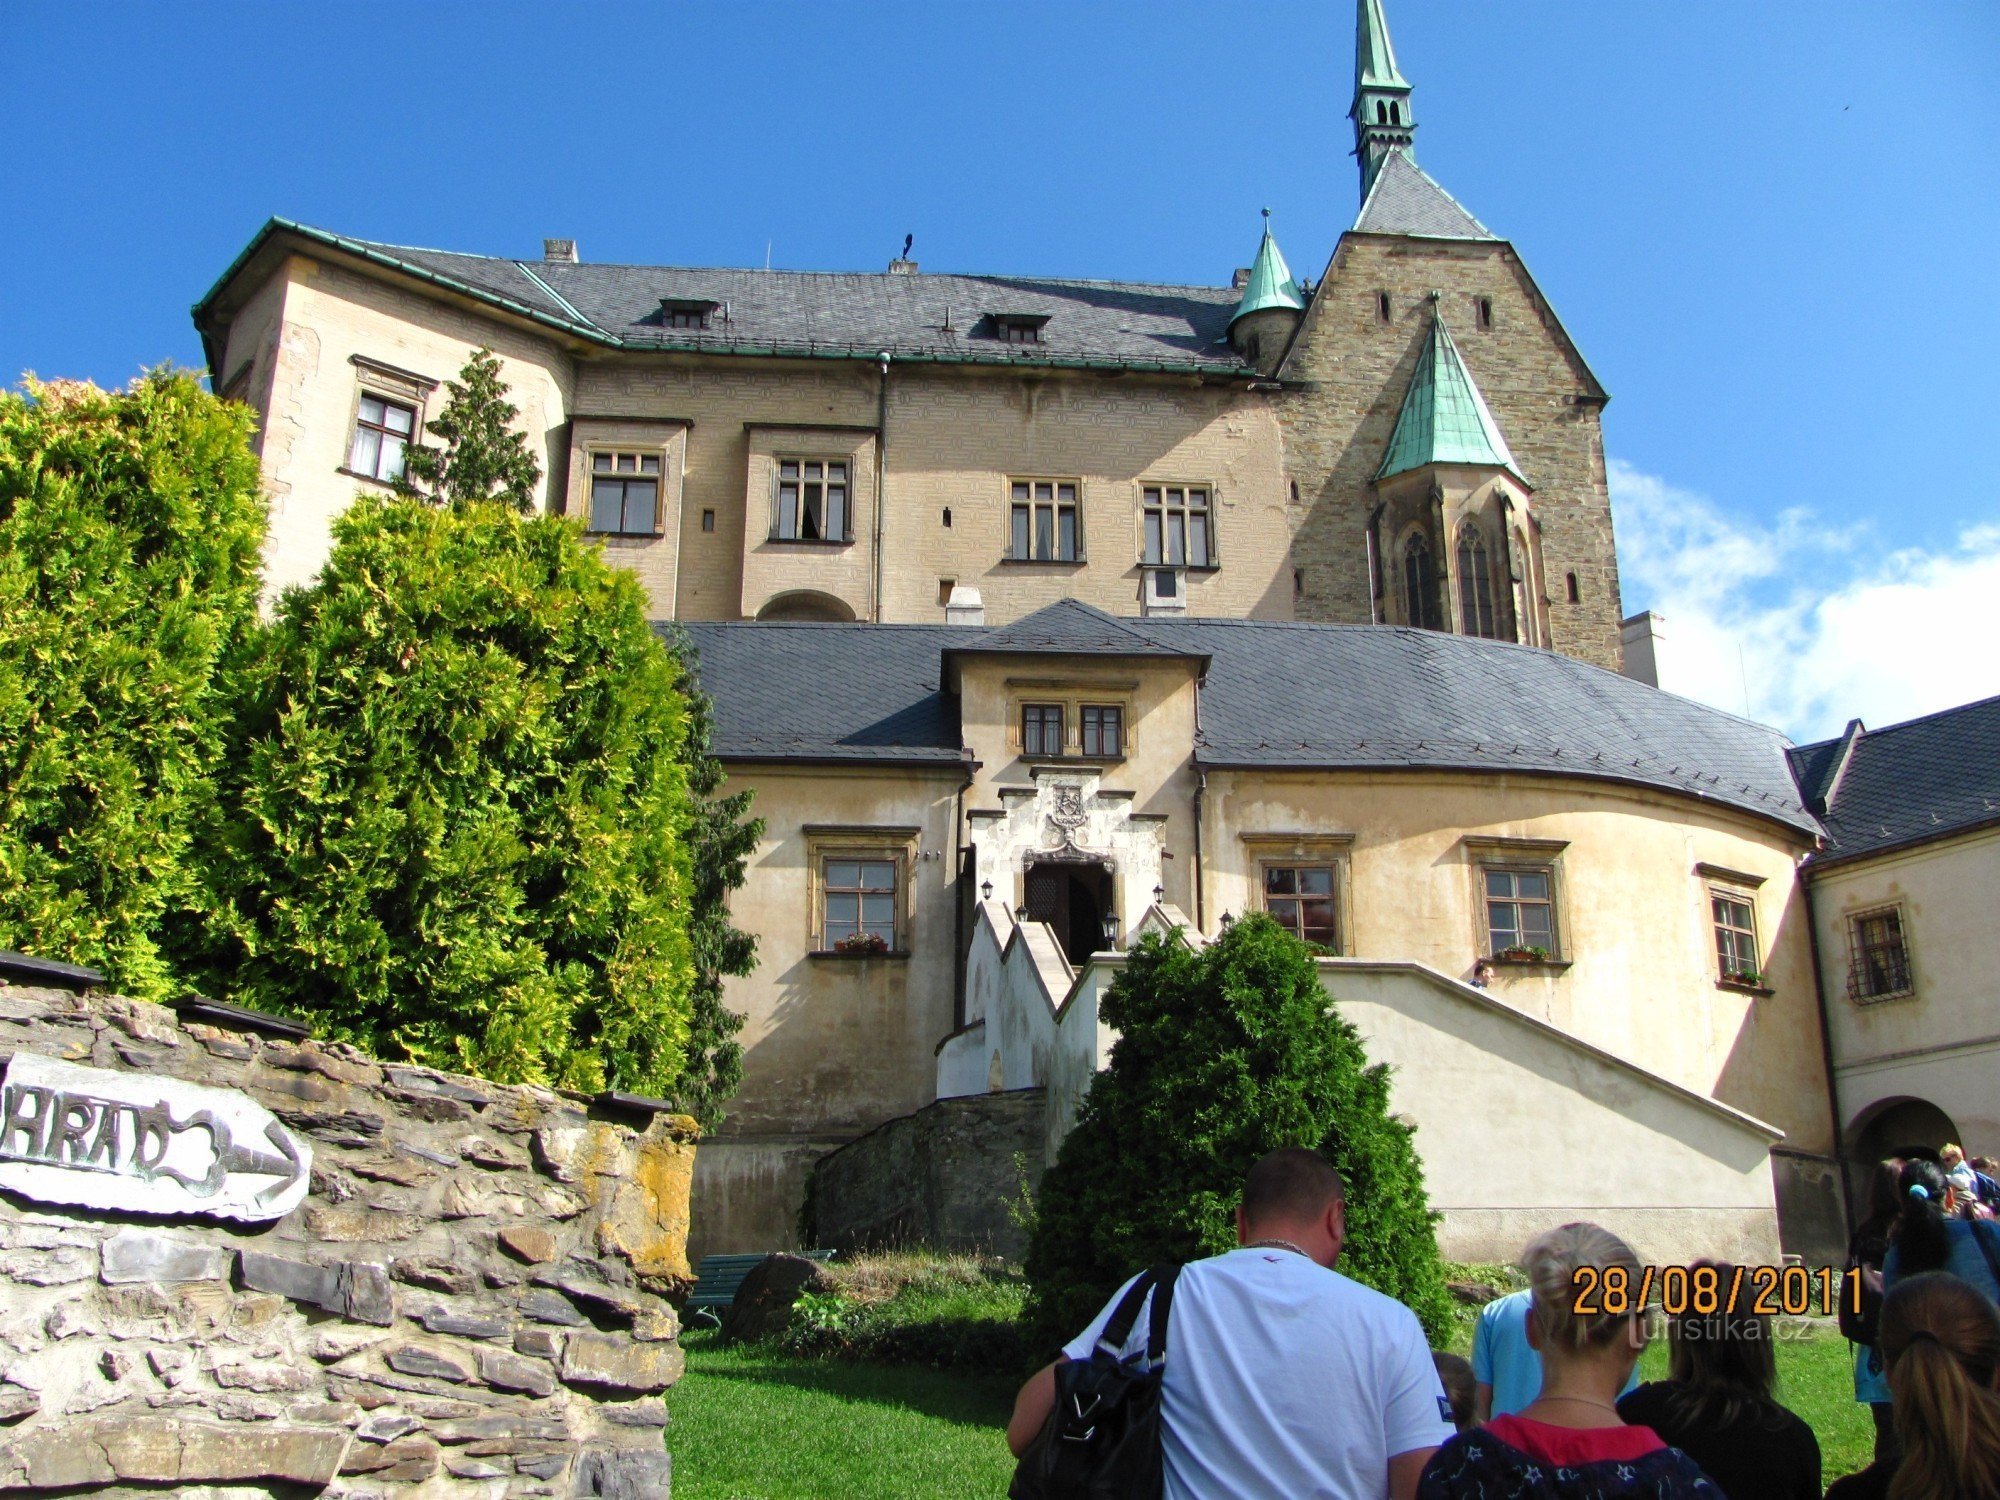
941,1312
130,528
459,813
1223,1054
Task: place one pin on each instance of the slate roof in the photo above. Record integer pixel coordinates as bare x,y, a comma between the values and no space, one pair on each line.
1405,199
1910,783
1132,325
1274,694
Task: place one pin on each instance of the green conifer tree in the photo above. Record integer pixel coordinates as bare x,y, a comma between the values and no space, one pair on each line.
1223,1054
484,457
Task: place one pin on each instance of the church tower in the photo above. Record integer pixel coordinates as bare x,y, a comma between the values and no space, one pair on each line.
1381,111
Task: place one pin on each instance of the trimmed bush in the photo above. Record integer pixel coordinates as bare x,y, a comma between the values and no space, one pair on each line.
130,529
459,811
1223,1055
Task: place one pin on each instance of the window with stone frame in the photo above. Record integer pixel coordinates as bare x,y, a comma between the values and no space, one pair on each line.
1044,523
383,431
858,903
1475,583
1101,730
1520,911
1734,915
1303,899
1179,526
1420,593
1042,729
624,493
1878,955
812,501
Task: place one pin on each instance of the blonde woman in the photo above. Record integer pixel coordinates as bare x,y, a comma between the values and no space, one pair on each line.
1570,1443
1941,1339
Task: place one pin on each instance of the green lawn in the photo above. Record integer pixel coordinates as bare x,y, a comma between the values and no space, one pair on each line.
752,1424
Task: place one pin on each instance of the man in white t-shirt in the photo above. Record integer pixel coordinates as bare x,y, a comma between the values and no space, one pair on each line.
1284,1379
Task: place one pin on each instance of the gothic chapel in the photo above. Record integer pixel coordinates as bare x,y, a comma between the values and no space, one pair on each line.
1040,612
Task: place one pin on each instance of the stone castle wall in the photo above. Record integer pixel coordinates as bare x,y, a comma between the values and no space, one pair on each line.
467,1302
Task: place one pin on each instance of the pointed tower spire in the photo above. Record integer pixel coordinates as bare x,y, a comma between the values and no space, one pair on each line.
1444,419
1268,313
1383,121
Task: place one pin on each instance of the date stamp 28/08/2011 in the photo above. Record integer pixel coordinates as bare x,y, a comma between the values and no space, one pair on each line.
1712,1291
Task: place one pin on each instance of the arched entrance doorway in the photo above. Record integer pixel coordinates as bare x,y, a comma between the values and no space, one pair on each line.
1901,1127
1072,896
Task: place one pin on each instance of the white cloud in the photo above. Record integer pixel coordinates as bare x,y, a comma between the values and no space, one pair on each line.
1801,625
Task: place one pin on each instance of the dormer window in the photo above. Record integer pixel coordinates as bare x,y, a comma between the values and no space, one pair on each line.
686,312
1017,328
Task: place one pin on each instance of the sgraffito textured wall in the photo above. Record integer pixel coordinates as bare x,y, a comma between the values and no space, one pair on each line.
468,1300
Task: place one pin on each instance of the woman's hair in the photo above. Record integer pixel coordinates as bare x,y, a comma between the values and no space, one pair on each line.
1724,1363
1941,1339
1552,1262
1951,1153
1922,1243
1455,1373
1885,1196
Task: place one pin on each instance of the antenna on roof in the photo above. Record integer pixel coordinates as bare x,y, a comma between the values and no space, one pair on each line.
908,240
767,255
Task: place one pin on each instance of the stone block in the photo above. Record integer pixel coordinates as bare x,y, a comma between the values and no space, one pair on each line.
595,1359
300,1280
516,1427
542,1465
623,1473
168,1450
469,1323
58,1267
113,1363
169,1365
143,1255
511,1372
657,1325
266,1375
403,1453
351,1223
436,1273
763,1304
582,1285
339,1341
365,1293
528,1242
385,1427
544,1343
414,1359
635,1413
551,1307
493,1155
16,1403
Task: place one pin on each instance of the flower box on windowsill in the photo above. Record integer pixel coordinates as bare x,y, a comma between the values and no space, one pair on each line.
860,953
1528,958
1748,984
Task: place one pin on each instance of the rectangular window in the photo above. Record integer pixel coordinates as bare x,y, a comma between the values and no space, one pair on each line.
1878,957
859,905
1301,899
1520,912
1103,729
812,501
382,431
1178,526
625,493
1045,522
1735,937
1041,729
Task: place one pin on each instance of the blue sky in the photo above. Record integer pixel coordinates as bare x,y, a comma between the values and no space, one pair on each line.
1772,228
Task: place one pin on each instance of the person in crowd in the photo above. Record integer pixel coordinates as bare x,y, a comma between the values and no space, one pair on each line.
1959,1172
1283,1378
1986,1175
1717,1405
1867,1250
1506,1370
1928,1235
1941,1339
1570,1442
1455,1371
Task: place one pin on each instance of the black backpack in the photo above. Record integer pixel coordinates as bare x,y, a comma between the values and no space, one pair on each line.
1102,1438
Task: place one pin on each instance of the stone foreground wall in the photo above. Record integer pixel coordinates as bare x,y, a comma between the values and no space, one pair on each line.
466,1303
946,1177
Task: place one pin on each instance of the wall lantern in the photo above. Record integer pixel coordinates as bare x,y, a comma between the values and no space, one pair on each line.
1227,921
1111,929
1159,894
985,890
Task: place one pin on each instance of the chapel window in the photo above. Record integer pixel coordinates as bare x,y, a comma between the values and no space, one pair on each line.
812,501
1301,899
1475,583
1178,522
1102,726
1044,521
382,432
1042,729
1485,312
1382,307
1735,919
1420,598
625,493
1878,960
1520,911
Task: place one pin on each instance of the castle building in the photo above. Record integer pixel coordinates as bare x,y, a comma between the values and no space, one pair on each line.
1042,611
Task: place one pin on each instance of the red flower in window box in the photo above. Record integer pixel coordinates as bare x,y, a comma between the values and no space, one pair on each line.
862,942
1521,955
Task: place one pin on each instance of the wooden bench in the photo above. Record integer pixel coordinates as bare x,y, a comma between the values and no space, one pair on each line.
720,1277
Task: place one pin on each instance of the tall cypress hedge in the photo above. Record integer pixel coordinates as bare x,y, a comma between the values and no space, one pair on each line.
1224,1053
130,529
459,818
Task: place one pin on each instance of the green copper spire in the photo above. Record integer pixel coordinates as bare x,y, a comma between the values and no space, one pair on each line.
1444,418
1270,283
1382,115
1374,54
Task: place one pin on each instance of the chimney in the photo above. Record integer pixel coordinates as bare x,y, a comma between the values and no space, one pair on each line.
1240,280
1643,635
964,606
901,267
560,252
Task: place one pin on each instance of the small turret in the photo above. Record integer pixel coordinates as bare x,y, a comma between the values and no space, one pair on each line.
1383,120
1265,319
